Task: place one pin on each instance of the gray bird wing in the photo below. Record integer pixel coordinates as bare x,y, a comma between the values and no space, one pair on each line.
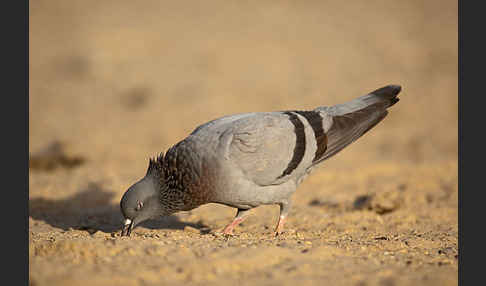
273,147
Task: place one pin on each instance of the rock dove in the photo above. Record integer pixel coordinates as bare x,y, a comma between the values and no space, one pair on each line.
250,159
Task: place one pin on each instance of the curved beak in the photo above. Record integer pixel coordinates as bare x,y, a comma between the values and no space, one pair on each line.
127,227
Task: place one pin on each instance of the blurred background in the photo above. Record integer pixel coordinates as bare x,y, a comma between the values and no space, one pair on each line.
113,83
120,80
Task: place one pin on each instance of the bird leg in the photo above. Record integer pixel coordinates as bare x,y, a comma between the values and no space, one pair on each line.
280,225
241,215
284,210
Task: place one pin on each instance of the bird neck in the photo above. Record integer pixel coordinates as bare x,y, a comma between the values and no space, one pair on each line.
172,200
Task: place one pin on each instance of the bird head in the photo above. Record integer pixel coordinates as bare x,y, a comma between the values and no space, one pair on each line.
140,202
151,197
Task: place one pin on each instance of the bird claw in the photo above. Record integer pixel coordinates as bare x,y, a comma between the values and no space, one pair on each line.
227,234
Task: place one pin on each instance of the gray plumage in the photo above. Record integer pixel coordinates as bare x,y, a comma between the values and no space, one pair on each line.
250,159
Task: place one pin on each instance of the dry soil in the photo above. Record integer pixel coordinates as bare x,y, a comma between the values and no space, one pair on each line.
113,83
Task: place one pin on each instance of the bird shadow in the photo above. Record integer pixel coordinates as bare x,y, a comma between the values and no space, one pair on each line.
91,210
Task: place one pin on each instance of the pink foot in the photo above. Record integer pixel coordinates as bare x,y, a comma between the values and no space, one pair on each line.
280,226
230,227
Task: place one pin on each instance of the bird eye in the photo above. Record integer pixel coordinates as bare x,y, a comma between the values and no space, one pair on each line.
139,205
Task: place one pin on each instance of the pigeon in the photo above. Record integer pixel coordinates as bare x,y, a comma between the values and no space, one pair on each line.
250,159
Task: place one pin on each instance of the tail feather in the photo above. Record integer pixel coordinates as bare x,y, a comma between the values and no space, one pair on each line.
353,119
386,95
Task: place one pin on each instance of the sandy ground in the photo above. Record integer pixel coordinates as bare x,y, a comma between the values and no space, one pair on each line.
113,83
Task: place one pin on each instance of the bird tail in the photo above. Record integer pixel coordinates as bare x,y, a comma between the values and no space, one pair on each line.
353,119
